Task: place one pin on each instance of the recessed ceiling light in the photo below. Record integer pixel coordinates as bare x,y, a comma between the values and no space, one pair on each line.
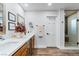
49,4
26,5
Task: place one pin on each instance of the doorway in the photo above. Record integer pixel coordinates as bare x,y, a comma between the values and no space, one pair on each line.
71,30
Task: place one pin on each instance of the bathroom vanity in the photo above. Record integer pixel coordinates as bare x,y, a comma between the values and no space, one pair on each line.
11,43
18,46
26,49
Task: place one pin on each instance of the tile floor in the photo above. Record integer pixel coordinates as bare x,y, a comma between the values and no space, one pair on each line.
54,52
69,44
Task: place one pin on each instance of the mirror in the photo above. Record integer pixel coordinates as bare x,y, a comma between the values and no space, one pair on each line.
2,22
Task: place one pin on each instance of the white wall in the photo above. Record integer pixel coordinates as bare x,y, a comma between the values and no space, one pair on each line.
1,14
1,7
62,28
78,24
15,9
39,18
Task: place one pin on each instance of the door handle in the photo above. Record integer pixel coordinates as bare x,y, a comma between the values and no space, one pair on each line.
48,33
77,20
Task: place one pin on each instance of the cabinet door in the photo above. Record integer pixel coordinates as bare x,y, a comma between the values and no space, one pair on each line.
26,49
18,53
23,51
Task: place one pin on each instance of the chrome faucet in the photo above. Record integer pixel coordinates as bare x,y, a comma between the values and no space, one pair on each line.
1,38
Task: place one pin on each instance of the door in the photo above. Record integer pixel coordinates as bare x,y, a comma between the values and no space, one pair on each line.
51,32
73,31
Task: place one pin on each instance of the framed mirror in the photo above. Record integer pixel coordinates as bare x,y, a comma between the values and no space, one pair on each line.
2,21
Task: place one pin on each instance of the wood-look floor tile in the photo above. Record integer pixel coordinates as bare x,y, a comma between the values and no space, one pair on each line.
54,52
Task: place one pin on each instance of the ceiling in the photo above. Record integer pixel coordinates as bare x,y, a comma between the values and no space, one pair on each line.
70,12
54,6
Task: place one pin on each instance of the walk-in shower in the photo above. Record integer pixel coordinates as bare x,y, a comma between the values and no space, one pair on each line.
71,28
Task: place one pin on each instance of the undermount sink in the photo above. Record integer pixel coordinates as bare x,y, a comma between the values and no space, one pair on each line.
8,42
2,41
7,45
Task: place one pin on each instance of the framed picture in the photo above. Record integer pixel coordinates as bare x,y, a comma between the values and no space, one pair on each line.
11,26
11,17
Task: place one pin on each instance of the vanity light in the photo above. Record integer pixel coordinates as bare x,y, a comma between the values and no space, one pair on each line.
49,4
26,5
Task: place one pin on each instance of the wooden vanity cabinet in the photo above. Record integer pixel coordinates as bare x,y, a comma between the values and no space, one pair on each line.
23,51
26,49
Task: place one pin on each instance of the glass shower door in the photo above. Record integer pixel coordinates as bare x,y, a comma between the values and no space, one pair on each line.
73,32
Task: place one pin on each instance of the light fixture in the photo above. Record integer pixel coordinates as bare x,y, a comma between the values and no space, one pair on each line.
49,4
26,5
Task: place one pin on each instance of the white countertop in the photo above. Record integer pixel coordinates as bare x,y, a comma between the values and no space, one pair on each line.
10,46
